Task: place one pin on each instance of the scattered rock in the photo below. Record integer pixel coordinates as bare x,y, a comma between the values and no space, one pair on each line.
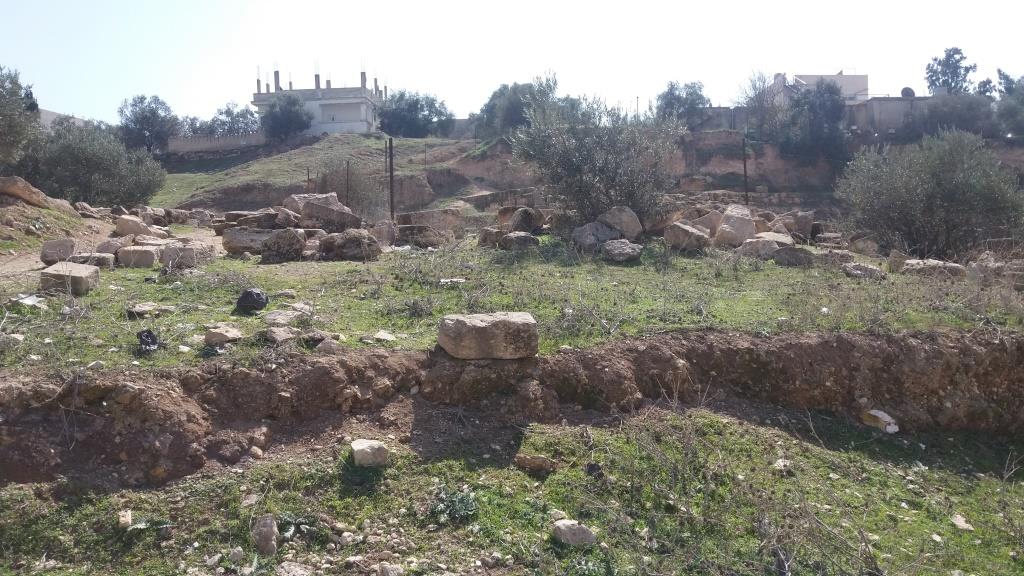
621,251
295,202
112,245
385,569
283,246
75,279
294,569
961,523
58,250
881,420
280,334
863,271
572,533
783,467
189,255
148,310
535,464
356,244
501,335
221,334
132,225
251,300
264,534
138,256
124,519
329,214
526,219
282,317
623,220
384,336
516,241
590,237
370,453
936,268
793,256
422,236
236,555
98,259
760,248
489,237
896,260
710,221
778,238
686,238
241,239
9,342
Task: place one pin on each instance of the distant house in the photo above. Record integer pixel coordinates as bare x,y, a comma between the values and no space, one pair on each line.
335,110
853,87
48,117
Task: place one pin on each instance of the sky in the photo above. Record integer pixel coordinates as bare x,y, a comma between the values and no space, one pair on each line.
85,57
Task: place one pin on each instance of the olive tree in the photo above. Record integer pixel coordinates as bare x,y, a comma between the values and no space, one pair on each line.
594,157
939,197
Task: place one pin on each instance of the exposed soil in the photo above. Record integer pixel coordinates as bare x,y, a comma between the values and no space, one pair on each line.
133,427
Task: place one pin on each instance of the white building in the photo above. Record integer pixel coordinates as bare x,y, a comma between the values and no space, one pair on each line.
853,87
335,110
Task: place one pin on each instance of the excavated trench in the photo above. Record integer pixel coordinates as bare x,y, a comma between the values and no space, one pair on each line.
152,427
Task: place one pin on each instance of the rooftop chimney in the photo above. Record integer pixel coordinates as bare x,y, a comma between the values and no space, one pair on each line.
277,81
328,83
376,88
362,80
289,84
316,80
385,91
259,86
268,88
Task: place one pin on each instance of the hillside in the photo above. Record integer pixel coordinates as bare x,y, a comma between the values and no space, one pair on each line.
224,183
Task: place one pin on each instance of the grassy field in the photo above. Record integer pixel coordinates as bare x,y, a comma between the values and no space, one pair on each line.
668,492
289,168
576,302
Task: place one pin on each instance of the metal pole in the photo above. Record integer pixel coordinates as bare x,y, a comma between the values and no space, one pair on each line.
346,182
391,176
746,189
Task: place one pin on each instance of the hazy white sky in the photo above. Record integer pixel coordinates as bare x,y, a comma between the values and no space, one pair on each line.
85,57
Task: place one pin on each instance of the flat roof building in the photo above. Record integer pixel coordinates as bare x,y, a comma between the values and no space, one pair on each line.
335,110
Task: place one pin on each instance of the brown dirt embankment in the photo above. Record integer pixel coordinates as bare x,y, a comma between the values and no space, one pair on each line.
152,427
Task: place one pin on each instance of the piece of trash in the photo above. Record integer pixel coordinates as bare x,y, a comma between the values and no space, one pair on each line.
251,300
148,341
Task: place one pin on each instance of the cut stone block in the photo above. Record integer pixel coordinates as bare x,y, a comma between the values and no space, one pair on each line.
75,279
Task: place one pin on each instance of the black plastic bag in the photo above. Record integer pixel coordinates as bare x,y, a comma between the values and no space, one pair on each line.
251,300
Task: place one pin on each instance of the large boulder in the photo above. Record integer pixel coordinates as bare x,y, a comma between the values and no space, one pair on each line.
621,251
263,219
501,335
19,189
760,248
445,219
803,224
793,256
741,226
863,271
283,246
98,259
286,218
295,202
623,219
422,236
58,250
329,214
75,279
712,220
518,241
935,268
489,237
355,244
590,237
133,225
112,245
243,239
187,255
777,237
138,256
686,238
526,219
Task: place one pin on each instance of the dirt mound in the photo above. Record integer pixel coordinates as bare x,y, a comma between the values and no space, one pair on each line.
153,427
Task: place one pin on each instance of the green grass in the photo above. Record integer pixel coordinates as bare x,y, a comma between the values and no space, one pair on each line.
668,493
49,224
290,168
576,303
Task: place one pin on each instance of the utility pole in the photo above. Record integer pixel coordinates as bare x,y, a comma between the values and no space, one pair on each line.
391,176
746,189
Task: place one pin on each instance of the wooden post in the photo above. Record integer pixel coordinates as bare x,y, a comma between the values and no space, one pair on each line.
391,176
